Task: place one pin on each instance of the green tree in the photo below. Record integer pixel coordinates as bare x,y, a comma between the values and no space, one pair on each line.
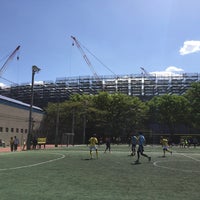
114,114
169,111
89,118
193,95
122,113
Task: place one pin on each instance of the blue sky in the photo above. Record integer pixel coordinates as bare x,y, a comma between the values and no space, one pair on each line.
123,34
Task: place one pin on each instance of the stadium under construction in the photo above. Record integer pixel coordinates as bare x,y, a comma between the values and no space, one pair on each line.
140,85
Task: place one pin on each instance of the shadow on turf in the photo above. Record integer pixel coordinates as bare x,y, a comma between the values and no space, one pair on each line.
88,159
136,163
161,156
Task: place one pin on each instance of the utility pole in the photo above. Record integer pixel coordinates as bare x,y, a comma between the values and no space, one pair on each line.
84,127
57,124
84,120
34,70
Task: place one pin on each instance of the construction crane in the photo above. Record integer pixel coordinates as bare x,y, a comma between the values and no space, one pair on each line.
80,47
145,72
85,57
10,57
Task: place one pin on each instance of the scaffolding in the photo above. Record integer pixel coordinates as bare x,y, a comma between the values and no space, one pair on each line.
132,85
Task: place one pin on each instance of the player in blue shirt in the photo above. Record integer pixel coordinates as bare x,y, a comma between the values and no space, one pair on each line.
134,140
141,142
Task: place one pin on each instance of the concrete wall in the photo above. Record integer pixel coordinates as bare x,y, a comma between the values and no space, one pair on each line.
14,121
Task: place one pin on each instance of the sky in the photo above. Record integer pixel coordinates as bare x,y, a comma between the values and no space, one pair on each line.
118,37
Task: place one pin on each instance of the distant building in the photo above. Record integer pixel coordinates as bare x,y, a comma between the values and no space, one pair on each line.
144,86
14,119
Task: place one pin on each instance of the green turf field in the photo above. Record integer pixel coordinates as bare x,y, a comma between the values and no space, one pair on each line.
68,173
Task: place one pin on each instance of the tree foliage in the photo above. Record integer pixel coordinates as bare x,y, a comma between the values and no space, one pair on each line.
193,95
119,114
169,110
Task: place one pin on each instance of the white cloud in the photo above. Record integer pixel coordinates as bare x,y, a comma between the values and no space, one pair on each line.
173,69
169,71
191,46
2,85
39,82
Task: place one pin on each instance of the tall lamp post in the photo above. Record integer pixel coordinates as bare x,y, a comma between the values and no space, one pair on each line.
34,70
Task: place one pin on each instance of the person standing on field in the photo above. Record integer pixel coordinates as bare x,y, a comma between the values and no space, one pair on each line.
93,145
24,145
107,144
134,141
16,143
11,144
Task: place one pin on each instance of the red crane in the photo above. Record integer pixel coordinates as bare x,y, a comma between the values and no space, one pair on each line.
11,56
85,57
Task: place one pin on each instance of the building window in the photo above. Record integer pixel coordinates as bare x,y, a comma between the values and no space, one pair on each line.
1,129
26,130
22,130
7,129
17,130
12,130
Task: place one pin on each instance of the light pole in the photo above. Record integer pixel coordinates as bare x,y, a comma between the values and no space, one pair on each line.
57,124
57,114
34,70
84,119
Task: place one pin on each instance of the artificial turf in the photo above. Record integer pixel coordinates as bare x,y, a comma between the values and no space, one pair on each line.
68,173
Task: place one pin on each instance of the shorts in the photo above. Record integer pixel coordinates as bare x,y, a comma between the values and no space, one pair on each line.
165,147
140,149
133,147
93,148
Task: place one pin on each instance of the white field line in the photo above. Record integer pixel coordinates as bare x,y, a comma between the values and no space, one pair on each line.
187,156
36,164
156,163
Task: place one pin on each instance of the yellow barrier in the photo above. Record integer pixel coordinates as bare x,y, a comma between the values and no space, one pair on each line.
42,140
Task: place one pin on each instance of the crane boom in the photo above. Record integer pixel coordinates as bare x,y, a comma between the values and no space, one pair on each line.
85,57
144,70
3,68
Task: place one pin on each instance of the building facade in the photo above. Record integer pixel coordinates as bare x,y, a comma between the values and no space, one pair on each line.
140,85
14,119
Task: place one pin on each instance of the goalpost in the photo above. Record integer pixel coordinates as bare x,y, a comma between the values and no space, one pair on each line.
67,139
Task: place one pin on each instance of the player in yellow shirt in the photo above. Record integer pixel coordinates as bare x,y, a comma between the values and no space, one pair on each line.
165,145
93,145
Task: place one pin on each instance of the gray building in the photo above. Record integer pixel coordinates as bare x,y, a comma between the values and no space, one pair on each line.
144,86
14,119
